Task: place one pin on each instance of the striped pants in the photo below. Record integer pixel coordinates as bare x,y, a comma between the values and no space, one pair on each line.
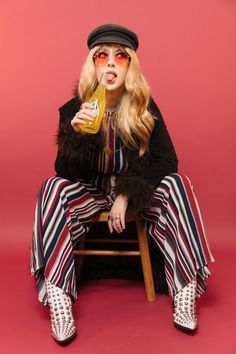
65,212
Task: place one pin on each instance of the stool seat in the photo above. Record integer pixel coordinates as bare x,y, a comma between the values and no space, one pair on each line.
143,252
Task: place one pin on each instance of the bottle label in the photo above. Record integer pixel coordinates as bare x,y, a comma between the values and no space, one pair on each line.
95,107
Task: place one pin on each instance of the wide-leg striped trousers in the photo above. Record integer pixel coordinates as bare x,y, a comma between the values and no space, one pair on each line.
65,212
175,223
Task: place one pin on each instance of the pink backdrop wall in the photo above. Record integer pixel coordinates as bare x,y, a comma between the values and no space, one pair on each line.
187,52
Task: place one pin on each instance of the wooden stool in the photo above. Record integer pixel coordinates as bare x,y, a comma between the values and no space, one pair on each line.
143,250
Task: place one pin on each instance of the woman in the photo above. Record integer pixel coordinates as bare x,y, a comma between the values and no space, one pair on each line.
129,165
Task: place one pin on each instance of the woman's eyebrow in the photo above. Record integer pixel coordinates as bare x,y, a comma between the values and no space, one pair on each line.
119,49
116,49
103,48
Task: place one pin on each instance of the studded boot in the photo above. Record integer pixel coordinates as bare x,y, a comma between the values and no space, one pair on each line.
184,315
62,322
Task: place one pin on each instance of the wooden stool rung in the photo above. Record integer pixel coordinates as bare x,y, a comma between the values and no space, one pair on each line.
143,251
107,253
102,240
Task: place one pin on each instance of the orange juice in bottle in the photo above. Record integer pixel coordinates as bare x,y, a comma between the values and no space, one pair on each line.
98,100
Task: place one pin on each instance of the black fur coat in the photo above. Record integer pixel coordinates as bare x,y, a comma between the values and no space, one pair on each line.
77,151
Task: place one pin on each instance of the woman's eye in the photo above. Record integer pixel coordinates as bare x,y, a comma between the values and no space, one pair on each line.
121,55
102,55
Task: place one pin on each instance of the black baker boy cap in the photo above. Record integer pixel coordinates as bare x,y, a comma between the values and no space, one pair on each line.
112,33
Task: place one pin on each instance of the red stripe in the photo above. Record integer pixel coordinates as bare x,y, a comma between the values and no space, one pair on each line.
56,250
53,201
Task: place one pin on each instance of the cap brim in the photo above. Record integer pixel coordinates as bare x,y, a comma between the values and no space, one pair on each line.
113,39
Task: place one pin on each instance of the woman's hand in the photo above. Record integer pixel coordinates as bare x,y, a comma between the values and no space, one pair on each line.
116,219
85,113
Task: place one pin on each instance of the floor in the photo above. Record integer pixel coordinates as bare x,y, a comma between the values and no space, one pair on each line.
113,315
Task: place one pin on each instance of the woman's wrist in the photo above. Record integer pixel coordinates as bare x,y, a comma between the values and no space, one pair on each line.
122,197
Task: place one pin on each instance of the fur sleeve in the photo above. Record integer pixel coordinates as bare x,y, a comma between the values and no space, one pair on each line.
77,145
138,192
76,151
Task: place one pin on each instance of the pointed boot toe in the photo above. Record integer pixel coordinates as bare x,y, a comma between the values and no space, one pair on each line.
63,327
184,315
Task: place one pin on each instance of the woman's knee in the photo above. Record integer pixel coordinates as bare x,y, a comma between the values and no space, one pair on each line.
177,178
56,183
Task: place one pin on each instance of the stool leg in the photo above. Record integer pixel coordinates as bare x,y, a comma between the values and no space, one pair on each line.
146,263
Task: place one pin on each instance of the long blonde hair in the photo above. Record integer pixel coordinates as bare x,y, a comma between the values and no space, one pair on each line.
133,122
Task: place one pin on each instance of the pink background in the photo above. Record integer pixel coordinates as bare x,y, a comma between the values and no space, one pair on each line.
187,52
188,55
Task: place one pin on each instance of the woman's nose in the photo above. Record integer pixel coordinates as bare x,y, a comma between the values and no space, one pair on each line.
111,59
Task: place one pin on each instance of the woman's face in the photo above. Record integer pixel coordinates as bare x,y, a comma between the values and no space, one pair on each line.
112,60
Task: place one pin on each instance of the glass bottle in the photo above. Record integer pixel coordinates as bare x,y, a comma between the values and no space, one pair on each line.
98,100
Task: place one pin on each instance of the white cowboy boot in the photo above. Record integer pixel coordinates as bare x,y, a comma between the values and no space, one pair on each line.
184,315
62,321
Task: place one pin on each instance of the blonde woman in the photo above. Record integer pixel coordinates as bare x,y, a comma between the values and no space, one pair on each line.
129,165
